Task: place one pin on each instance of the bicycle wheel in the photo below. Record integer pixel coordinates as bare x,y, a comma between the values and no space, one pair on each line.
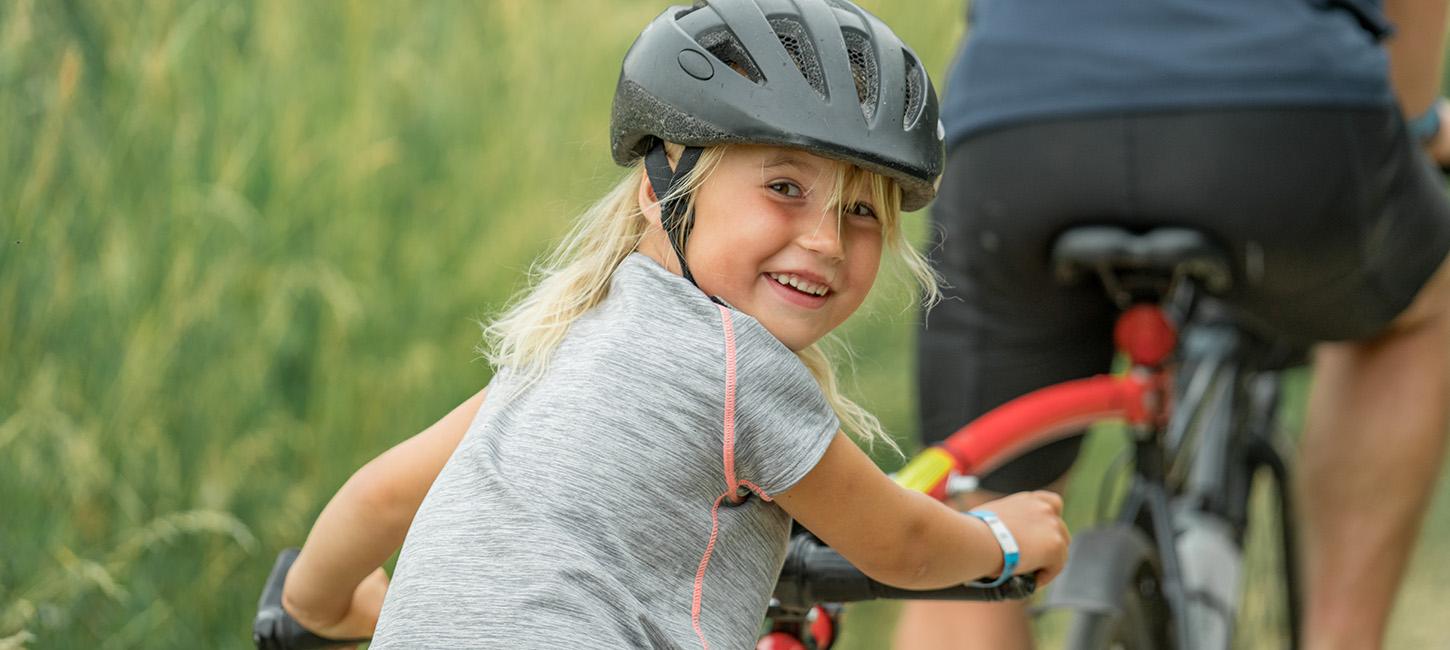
1139,623
1112,587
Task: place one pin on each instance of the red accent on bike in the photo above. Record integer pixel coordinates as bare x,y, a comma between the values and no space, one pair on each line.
1045,415
779,641
1143,402
939,492
1145,335
822,627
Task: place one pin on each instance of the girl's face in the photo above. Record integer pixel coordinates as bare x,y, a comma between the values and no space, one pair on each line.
768,241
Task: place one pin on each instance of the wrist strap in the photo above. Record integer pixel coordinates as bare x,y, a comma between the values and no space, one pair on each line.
1004,540
1424,127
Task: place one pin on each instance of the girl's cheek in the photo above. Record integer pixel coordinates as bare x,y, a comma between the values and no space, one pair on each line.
864,228
866,243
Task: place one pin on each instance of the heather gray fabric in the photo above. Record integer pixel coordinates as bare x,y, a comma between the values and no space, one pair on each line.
574,513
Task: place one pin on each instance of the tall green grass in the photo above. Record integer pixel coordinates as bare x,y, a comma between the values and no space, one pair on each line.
243,249
245,246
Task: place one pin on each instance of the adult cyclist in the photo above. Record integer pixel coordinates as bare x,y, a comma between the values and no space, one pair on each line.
1293,131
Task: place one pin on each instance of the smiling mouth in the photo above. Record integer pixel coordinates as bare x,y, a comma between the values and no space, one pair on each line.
801,285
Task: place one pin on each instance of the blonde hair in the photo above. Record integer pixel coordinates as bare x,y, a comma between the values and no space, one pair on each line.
575,276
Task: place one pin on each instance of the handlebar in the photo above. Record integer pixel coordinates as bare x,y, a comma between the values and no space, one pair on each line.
274,628
815,573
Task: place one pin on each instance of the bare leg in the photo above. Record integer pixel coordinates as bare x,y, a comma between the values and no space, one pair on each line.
1373,445
928,625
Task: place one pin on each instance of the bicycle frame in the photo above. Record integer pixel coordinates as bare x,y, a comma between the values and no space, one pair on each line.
1201,467
1193,455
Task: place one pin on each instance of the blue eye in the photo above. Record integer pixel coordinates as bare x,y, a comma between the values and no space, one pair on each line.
786,188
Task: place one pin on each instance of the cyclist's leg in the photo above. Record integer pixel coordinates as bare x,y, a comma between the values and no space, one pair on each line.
1005,327
1373,445
945,624
1374,438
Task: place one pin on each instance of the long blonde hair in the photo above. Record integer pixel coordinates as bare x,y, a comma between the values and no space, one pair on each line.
575,277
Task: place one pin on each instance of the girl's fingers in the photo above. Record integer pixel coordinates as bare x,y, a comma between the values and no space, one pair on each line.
1053,499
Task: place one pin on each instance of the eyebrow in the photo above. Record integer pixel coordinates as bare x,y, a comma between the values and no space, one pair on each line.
791,160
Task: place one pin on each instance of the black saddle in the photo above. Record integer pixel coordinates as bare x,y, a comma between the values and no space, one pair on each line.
1142,262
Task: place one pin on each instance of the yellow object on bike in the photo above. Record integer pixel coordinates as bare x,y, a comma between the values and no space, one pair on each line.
926,471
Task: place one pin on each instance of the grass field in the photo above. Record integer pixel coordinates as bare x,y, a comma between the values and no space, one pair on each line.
245,249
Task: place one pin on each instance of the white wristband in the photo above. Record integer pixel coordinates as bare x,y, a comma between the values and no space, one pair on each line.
1010,554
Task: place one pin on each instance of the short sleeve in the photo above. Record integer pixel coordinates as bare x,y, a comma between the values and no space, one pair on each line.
783,422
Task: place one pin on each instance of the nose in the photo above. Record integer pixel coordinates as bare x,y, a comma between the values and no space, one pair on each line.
823,237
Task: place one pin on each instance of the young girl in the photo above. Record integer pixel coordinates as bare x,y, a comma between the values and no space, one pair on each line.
660,410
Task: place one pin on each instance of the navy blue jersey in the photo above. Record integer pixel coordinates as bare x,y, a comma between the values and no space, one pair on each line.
1042,59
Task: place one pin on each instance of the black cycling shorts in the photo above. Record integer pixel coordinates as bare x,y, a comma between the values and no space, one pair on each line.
1334,219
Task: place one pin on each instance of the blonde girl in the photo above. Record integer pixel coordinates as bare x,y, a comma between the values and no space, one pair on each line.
660,409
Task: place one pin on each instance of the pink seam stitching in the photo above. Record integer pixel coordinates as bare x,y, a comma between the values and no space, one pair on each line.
700,573
730,482
756,489
729,451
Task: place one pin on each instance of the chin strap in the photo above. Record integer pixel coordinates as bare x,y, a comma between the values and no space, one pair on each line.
674,205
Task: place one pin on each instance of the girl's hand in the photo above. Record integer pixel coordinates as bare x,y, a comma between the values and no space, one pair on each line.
362,614
1035,520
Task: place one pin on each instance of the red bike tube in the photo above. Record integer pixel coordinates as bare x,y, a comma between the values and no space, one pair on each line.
1143,332
1030,421
1043,416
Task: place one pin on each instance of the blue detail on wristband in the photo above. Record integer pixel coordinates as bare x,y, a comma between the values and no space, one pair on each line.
1005,540
1427,125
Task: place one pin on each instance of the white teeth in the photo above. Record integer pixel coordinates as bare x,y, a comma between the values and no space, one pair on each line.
801,285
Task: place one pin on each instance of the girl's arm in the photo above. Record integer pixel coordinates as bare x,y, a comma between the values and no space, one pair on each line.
335,588
909,540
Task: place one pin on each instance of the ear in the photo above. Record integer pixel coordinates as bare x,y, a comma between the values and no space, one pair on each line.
647,201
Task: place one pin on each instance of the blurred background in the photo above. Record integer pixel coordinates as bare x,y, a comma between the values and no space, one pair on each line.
246,247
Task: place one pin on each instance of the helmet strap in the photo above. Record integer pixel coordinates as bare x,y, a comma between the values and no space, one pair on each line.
675,214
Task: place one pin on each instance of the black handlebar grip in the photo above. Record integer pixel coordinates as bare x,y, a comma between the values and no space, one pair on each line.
1016,588
815,573
274,628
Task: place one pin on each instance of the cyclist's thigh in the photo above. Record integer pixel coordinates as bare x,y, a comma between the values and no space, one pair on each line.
1005,326
1334,219
1414,232
1431,303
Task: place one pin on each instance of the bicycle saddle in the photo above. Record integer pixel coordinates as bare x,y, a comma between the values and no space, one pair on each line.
1165,252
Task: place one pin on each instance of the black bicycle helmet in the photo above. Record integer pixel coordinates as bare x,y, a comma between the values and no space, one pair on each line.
820,75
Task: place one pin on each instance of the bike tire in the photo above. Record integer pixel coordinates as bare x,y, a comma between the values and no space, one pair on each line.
1141,621
1112,589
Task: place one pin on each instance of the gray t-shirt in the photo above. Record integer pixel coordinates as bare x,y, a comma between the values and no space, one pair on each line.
585,510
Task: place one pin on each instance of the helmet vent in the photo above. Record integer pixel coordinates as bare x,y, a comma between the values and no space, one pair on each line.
915,92
793,37
863,68
722,43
